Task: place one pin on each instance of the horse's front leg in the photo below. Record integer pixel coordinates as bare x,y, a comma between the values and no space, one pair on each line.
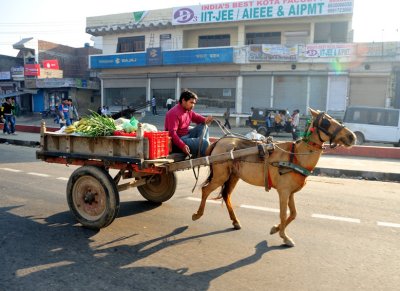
285,198
292,215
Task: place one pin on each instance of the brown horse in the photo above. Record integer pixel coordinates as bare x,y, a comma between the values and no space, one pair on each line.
285,169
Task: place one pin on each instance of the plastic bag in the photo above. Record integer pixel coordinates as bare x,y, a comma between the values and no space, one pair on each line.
255,136
128,127
134,122
149,127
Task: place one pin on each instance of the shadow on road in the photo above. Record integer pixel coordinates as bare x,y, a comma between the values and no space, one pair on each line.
54,254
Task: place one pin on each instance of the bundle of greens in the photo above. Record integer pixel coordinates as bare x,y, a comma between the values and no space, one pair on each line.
96,125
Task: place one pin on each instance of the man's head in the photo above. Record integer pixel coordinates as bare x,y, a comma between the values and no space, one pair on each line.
70,100
8,99
188,99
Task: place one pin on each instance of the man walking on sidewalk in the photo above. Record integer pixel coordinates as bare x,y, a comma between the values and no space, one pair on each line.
7,114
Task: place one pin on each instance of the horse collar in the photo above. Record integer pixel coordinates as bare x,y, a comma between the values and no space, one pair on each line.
315,145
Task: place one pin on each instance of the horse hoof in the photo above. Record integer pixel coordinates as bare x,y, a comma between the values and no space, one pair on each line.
195,216
289,242
237,226
274,229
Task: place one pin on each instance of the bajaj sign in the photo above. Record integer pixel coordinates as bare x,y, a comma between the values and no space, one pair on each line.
154,56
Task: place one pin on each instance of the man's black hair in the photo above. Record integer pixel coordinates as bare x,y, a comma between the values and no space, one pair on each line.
187,95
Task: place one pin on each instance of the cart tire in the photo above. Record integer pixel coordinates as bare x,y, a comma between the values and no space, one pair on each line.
159,188
92,197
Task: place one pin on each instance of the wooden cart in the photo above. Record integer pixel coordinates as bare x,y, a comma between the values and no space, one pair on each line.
92,194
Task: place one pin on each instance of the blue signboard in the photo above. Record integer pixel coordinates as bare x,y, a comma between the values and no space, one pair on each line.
198,56
154,56
118,61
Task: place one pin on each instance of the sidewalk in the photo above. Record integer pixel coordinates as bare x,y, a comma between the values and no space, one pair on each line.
330,164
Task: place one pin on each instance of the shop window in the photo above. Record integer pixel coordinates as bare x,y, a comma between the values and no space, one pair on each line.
215,97
214,40
130,44
263,38
331,32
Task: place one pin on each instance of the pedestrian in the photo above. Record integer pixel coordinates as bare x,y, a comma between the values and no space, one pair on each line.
104,111
63,112
169,103
99,110
73,112
295,123
227,115
191,141
7,109
154,105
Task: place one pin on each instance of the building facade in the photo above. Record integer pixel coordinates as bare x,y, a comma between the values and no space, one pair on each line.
268,53
50,72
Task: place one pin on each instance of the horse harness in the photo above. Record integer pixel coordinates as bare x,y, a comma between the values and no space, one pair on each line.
286,167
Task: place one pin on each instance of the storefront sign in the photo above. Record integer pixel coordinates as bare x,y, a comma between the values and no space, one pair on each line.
154,56
51,64
32,70
271,53
328,50
50,73
198,56
118,61
17,73
6,75
377,49
258,9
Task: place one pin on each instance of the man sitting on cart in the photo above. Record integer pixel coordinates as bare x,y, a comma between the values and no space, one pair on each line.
177,122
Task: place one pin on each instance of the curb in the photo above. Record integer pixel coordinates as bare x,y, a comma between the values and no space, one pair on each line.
356,174
333,173
26,143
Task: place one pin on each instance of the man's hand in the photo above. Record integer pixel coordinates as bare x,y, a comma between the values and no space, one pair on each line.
186,150
209,119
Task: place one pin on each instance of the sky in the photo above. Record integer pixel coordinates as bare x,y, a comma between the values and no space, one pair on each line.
64,22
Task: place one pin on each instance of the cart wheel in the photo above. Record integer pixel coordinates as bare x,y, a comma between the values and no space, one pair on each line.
92,197
159,188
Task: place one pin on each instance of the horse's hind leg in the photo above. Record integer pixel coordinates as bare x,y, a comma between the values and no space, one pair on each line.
226,194
216,181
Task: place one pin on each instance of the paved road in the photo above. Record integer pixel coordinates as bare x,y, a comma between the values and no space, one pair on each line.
347,234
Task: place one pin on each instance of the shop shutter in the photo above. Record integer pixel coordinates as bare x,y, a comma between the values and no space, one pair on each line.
290,92
337,93
256,92
368,91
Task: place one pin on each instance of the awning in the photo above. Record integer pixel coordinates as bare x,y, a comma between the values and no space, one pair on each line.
26,91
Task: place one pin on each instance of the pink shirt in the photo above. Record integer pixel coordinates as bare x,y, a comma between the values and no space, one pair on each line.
177,122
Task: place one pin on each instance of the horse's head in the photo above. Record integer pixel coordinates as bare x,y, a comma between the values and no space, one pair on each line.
329,129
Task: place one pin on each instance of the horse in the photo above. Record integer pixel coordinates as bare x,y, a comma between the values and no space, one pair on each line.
286,168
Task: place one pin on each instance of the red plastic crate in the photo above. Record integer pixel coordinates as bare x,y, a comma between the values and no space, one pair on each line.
158,144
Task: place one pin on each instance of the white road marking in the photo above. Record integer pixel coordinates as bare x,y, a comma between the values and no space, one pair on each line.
322,216
339,218
11,170
38,174
208,201
388,224
30,270
260,208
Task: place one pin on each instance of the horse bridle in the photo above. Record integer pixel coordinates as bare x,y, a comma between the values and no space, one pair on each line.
322,124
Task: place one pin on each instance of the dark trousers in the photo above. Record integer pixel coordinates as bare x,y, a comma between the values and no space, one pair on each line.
295,134
227,124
